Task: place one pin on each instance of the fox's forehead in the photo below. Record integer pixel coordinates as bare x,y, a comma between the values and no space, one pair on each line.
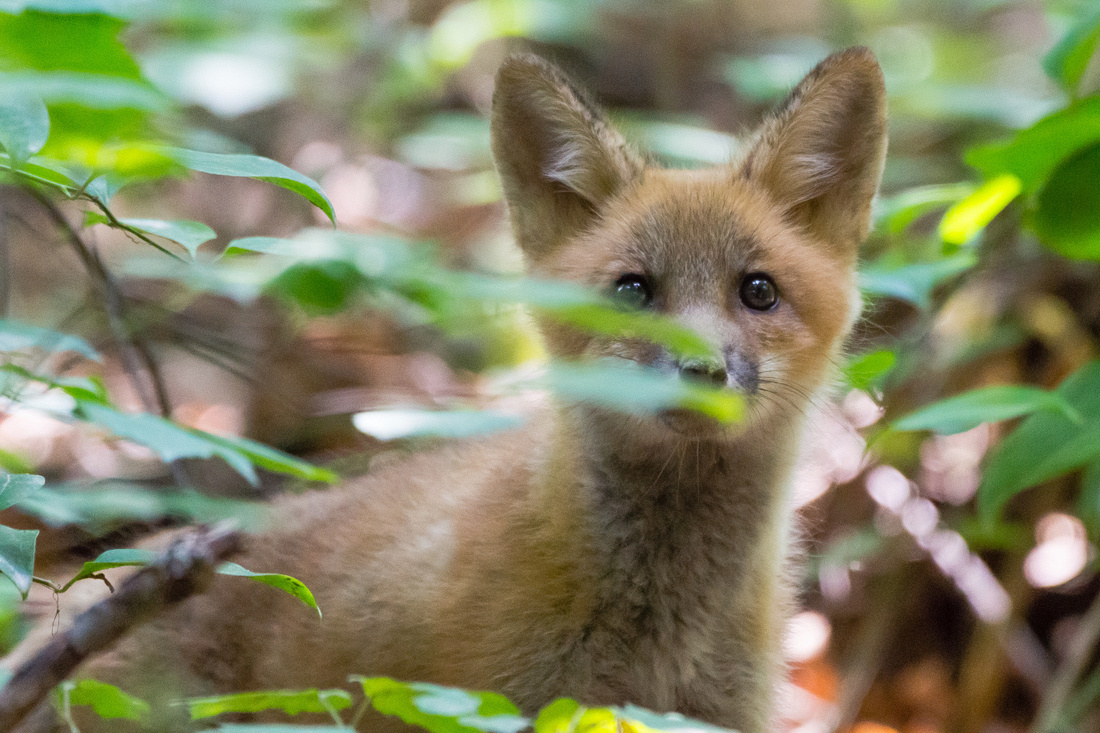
674,218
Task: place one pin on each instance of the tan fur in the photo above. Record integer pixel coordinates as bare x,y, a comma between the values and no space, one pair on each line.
607,557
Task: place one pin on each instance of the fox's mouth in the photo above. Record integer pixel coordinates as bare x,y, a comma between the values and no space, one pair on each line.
692,424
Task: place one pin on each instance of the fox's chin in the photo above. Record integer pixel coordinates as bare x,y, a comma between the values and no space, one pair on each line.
697,426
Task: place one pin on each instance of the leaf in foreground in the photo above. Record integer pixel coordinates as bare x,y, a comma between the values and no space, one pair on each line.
17,556
403,423
188,234
106,700
254,166
112,559
285,583
17,336
989,404
443,709
291,702
14,487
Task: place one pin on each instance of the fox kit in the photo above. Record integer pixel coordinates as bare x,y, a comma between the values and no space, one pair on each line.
607,557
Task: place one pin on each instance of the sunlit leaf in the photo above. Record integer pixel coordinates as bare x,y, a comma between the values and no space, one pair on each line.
1047,444
673,722
1067,61
106,700
988,404
291,702
14,487
407,423
16,336
91,91
897,212
112,559
285,583
24,125
560,716
254,166
17,556
443,709
964,220
189,234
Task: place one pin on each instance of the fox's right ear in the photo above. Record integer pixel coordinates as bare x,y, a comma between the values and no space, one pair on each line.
559,159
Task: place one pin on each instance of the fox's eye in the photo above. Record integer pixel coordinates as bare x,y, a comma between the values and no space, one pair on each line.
758,292
632,291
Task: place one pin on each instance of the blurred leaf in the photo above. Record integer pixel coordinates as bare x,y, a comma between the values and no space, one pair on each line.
665,721
111,559
964,220
106,700
680,143
867,371
443,709
42,170
91,91
285,583
613,321
16,336
393,424
1088,503
188,234
24,125
1067,218
988,404
254,166
47,41
319,286
626,386
914,283
265,245
274,460
1067,61
1045,445
17,556
897,212
455,142
278,728
1034,153
291,702
169,441
16,487
560,716
104,506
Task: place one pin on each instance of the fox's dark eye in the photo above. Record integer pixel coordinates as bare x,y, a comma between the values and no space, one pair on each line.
632,291
758,292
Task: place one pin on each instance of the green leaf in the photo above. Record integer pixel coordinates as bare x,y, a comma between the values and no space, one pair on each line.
168,440
273,460
319,286
112,559
1067,218
278,728
914,283
1088,503
665,721
394,424
291,702
41,170
188,234
254,166
1067,61
443,709
91,91
867,371
989,404
560,716
285,583
16,487
1045,445
897,212
24,125
625,386
106,700
964,220
16,336
17,556
1034,153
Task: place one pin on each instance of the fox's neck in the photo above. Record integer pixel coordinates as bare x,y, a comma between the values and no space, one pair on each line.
679,527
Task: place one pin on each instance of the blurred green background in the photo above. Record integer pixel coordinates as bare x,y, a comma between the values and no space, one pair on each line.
172,290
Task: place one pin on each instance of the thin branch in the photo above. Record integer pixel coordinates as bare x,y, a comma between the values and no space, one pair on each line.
1081,649
184,569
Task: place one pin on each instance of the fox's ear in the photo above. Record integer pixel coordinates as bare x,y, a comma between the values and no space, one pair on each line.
558,158
821,155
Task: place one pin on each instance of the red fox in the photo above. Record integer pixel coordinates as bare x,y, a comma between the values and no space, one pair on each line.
607,557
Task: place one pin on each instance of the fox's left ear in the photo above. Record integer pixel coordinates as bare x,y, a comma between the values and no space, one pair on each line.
821,156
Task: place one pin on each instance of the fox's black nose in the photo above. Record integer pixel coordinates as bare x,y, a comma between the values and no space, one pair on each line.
706,372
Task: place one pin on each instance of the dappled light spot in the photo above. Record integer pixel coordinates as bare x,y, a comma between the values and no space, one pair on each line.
807,637
1061,553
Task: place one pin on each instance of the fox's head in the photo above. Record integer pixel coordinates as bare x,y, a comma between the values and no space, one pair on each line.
758,256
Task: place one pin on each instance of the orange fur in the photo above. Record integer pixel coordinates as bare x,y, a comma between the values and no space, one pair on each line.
608,557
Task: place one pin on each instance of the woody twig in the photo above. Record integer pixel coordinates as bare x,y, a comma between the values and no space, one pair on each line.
184,569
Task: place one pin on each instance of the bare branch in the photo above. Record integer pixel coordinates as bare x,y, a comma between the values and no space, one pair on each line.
184,569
